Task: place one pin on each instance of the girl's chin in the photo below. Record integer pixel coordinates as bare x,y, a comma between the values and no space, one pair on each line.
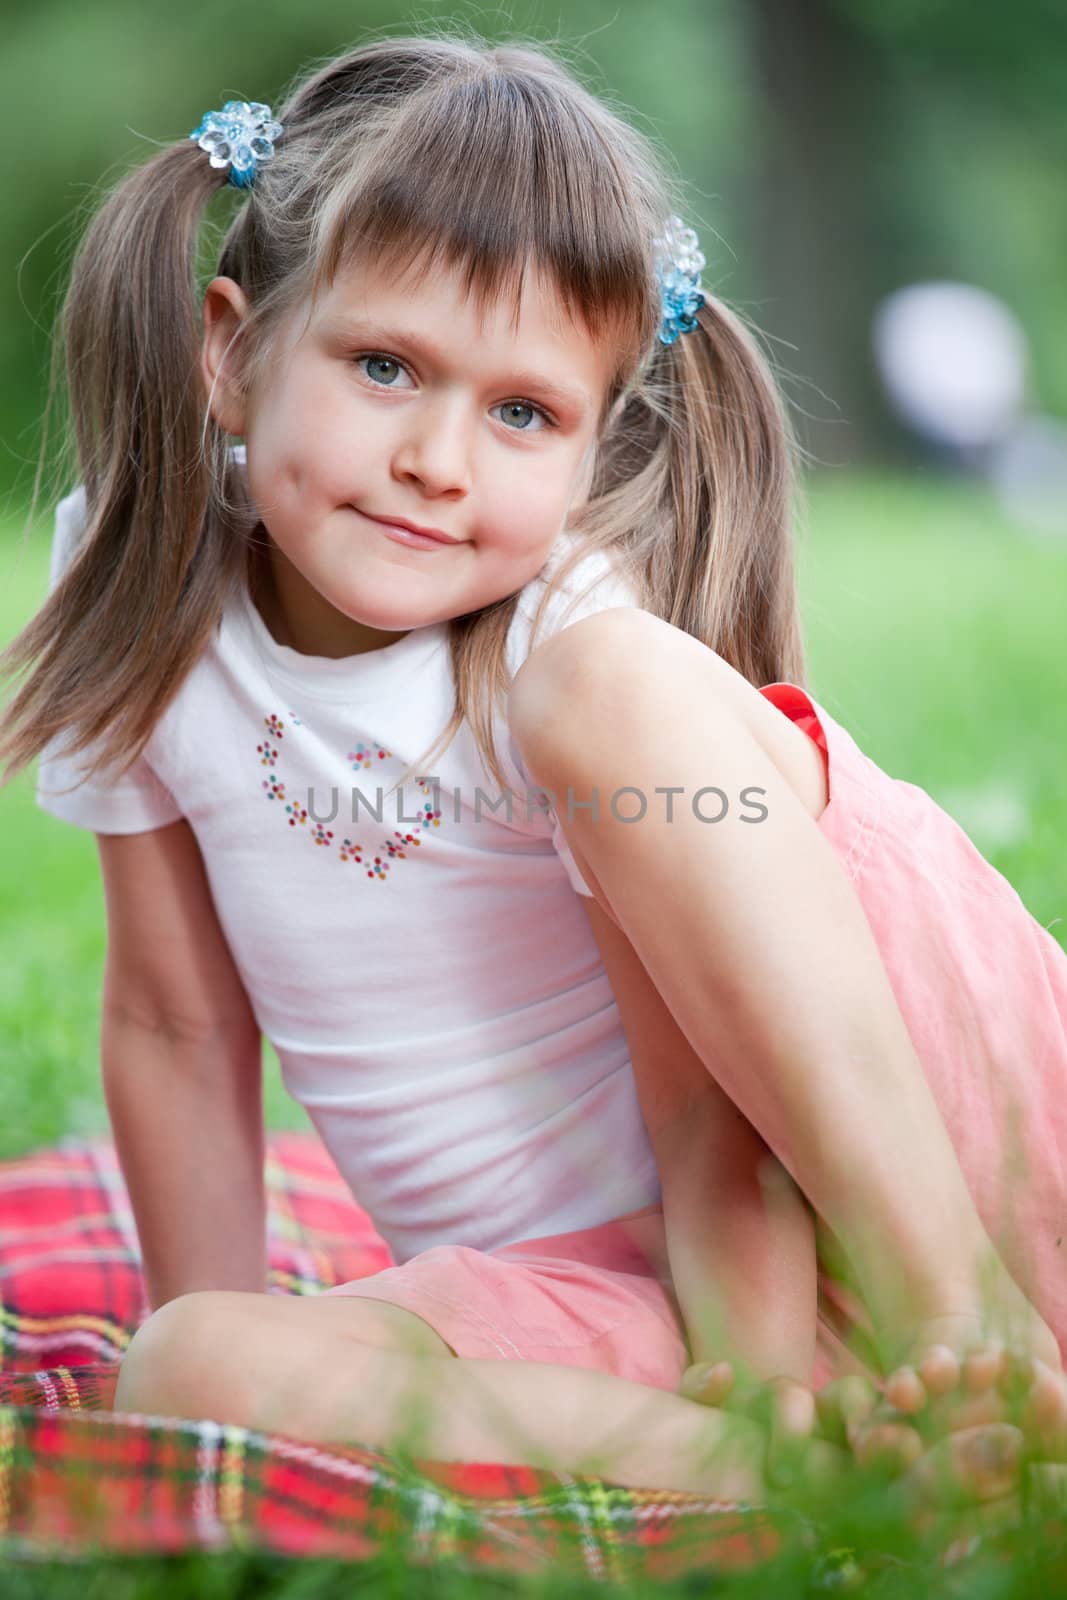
386,628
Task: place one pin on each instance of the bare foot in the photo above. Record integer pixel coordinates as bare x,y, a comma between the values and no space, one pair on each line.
957,1423
961,1375
964,1404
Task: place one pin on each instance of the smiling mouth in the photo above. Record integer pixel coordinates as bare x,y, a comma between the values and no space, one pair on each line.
408,535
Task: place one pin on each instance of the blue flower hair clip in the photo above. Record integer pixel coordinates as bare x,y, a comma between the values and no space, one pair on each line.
678,265
239,136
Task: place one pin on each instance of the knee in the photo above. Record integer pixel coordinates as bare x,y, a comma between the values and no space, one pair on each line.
163,1369
585,672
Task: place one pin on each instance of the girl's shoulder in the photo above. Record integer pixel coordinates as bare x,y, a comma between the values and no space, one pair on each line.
68,527
562,594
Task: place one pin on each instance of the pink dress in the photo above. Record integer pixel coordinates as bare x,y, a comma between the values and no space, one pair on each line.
982,988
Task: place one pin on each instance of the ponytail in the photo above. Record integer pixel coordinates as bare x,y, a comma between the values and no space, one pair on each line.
693,495
133,610
732,480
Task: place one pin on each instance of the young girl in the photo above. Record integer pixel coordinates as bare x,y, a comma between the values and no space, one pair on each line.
449,731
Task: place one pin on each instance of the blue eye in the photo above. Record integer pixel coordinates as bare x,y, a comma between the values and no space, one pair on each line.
520,416
516,410
388,370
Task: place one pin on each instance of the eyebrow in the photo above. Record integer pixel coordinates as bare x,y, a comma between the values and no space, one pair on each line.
565,394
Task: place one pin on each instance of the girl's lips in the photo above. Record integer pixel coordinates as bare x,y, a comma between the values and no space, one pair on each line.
416,541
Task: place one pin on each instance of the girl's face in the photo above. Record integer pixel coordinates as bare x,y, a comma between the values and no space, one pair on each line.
398,404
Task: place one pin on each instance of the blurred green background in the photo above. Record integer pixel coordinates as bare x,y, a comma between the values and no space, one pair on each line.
832,151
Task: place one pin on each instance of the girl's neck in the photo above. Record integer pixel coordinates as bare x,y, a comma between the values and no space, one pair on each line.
263,595
297,616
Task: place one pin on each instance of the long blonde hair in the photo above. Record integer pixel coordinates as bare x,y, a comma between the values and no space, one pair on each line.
418,150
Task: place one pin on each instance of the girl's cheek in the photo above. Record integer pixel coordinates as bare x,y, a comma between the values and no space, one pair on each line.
526,511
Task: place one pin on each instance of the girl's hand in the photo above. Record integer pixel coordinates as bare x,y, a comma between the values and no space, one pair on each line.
785,1408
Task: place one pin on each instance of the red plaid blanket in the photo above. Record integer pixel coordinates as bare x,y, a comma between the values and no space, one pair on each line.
77,1478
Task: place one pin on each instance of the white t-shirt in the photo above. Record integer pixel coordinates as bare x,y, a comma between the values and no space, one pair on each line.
430,983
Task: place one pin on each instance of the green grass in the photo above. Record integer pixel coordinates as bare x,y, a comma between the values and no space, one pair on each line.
897,1575
52,935
934,633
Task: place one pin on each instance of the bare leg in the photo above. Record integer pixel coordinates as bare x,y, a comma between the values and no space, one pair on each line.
297,1367
757,942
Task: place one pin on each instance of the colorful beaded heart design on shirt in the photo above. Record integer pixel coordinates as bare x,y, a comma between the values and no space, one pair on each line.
364,756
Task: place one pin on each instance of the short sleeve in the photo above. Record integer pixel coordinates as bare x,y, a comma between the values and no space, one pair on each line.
593,586
563,850
133,803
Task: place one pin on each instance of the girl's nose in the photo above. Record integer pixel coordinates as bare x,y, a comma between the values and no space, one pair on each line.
434,452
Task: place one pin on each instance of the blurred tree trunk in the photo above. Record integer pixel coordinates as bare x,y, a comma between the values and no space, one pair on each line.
822,242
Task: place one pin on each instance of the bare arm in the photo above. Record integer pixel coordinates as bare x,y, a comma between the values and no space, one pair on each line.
181,1062
188,1130
740,1237
741,1243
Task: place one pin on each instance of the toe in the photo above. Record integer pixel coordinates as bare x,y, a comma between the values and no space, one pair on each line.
905,1390
888,1443
969,1407
939,1370
983,1366
972,1464
1044,1412
953,1414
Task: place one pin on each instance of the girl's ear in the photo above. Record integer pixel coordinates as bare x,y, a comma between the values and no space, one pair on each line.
225,308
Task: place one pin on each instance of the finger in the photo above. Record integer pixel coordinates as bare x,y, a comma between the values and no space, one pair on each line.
792,1423
843,1404
708,1383
794,1410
